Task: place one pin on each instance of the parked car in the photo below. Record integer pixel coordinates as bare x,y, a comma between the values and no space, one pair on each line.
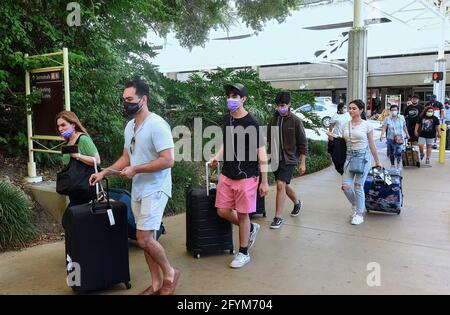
317,134
323,109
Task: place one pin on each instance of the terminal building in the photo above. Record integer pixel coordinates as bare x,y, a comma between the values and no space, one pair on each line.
308,52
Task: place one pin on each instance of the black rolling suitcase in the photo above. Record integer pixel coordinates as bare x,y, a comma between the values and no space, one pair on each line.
96,242
206,232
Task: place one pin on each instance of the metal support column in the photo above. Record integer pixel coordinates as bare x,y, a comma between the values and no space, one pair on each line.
357,57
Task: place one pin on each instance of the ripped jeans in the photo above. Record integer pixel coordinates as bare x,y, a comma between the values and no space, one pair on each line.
355,183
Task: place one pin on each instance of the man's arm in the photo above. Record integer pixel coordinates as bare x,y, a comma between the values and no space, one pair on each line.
165,160
118,166
302,146
262,157
216,158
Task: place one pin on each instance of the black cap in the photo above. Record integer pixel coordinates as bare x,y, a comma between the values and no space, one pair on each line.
236,88
283,97
415,96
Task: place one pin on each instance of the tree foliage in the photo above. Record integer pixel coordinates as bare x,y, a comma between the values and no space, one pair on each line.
109,47
203,96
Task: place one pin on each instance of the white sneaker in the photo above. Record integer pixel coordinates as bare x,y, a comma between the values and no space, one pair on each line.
357,219
240,260
252,236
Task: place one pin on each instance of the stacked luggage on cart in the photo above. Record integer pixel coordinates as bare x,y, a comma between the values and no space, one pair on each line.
383,190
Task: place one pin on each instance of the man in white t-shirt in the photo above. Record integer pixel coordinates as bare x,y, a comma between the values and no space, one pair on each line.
147,158
338,120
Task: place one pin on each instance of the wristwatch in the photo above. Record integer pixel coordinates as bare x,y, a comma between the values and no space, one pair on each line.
78,156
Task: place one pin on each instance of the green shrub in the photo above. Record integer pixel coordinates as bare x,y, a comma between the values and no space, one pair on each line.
315,163
16,217
184,176
316,147
318,157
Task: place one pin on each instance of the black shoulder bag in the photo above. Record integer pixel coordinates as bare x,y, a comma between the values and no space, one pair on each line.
73,180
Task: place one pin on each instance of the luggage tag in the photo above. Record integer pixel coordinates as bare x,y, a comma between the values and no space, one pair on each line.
111,217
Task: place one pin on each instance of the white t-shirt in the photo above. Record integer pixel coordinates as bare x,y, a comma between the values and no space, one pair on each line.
339,120
359,139
153,136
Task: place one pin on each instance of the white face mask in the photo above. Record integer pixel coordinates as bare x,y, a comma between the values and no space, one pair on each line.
394,113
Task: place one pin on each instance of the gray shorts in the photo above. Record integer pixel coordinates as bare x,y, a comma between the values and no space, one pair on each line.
427,141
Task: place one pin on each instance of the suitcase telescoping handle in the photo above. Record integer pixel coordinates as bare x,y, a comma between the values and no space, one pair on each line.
208,184
96,205
374,168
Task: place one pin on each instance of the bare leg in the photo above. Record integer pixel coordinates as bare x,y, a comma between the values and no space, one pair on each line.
291,194
421,149
428,151
281,196
155,272
156,252
229,215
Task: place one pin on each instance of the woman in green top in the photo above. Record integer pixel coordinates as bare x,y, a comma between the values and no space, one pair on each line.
70,127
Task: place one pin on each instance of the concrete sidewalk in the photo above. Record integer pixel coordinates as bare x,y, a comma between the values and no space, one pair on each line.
318,252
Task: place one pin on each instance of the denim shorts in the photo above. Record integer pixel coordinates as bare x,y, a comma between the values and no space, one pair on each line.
427,141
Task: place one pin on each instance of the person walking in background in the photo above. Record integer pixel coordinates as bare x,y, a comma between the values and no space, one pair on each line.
338,121
394,129
427,130
290,147
447,111
412,115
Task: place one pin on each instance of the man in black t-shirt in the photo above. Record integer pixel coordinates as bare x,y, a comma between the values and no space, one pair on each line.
244,154
438,112
437,107
412,114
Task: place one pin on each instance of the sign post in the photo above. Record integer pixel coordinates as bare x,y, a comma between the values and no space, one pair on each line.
53,82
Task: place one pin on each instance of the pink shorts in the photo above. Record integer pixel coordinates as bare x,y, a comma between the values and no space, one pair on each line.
237,194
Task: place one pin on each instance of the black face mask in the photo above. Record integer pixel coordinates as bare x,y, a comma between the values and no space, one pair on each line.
131,108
